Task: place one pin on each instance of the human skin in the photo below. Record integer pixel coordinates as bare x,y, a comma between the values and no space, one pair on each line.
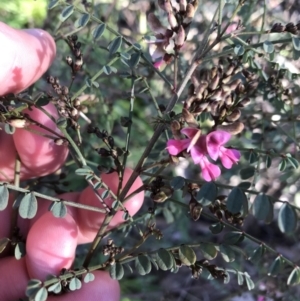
24,56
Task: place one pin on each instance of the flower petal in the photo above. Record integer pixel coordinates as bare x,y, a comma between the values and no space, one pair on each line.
214,140
175,147
197,154
209,171
229,157
190,132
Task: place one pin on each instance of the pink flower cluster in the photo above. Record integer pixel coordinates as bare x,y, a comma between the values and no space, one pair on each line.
202,147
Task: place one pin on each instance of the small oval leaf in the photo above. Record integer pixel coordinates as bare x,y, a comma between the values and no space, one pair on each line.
164,259
276,266
98,31
4,195
28,206
82,21
75,284
187,255
177,183
208,250
237,201
116,271
66,13
227,253
294,277
207,194
287,218
143,265
115,45
89,277
58,209
262,208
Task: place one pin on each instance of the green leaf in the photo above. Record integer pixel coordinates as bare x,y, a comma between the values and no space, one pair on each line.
216,228
247,172
208,250
55,288
126,56
66,13
268,161
52,4
89,277
262,208
187,255
249,282
28,206
107,70
292,161
234,237
41,294
98,31
237,201
9,129
294,277
257,254
177,183
164,259
282,165
4,195
143,265
116,271
82,21
296,43
268,47
227,253
287,218
253,157
58,209
276,266
239,50
20,250
115,45
134,60
207,193
75,284
3,243
84,171
240,278
105,194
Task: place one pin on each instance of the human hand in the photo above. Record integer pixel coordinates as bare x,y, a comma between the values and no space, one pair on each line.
27,55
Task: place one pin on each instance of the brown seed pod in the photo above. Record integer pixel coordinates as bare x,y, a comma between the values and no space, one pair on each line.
233,128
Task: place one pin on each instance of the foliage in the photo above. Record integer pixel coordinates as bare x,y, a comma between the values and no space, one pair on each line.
222,72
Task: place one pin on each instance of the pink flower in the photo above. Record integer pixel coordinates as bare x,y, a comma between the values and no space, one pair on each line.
203,146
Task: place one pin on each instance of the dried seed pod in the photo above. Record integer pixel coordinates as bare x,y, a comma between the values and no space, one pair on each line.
233,128
172,20
234,84
214,82
200,89
165,5
244,102
180,37
230,69
189,14
278,27
235,115
240,89
189,118
182,5
175,128
213,72
202,107
214,108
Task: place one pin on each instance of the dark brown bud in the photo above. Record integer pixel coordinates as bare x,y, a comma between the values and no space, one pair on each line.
200,89
234,84
290,27
230,69
175,128
240,89
69,60
278,27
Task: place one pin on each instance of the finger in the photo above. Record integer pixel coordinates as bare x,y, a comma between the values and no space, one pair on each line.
25,56
89,221
103,288
13,279
39,154
50,245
